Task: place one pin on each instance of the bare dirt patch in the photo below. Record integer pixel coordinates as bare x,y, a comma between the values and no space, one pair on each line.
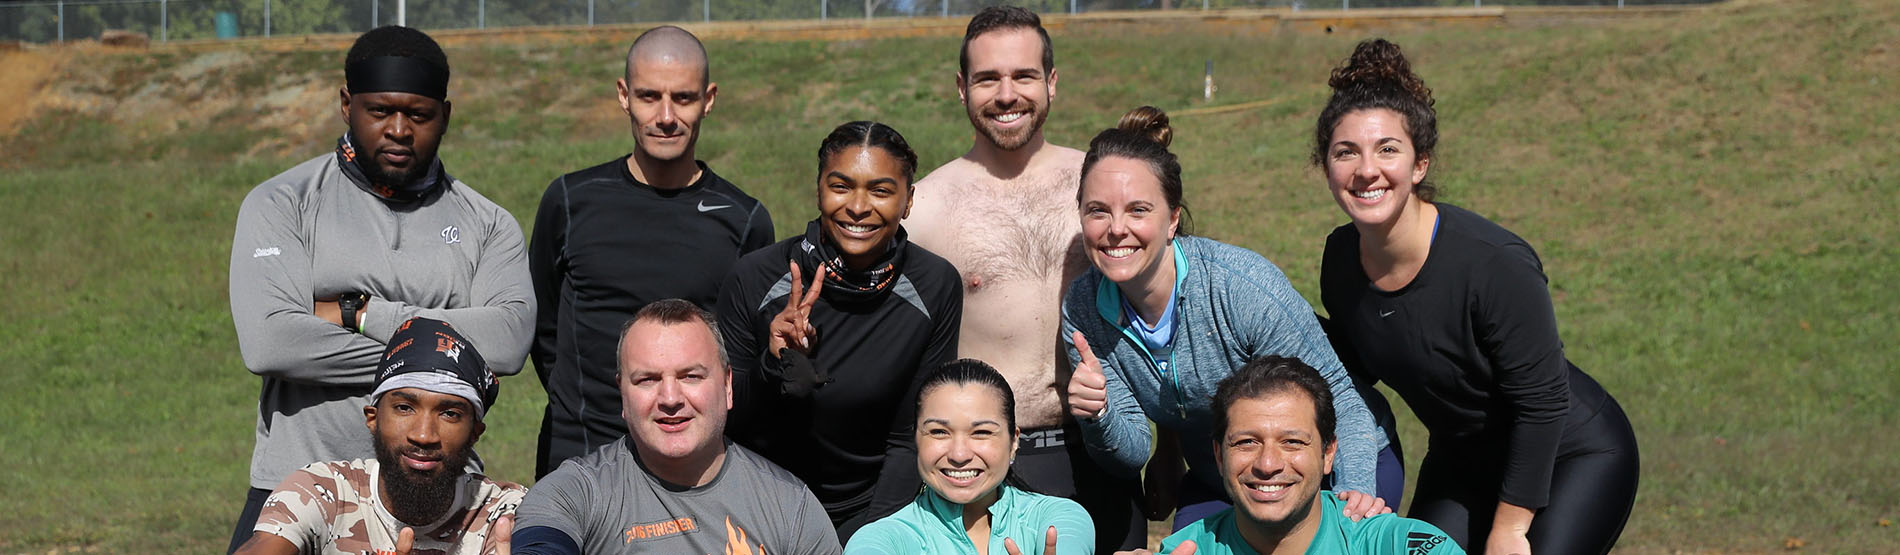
25,75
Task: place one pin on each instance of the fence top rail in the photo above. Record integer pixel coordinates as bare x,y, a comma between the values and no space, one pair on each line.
53,3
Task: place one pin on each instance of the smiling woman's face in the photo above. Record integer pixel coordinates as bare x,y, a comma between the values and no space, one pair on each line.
964,443
1126,221
862,197
1372,167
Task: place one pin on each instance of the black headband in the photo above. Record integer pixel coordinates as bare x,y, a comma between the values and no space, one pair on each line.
397,74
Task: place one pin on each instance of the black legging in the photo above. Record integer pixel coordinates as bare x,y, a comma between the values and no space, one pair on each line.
1592,488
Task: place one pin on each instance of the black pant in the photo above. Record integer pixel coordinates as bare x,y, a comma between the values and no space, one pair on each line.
253,504
1592,488
1054,461
566,439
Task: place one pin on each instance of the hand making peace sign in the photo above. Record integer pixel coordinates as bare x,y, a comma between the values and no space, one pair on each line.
791,328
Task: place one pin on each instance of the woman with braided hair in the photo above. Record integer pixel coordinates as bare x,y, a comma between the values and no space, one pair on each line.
831,332
1527,453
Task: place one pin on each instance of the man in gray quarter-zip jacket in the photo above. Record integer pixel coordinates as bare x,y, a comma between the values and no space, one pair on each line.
333,255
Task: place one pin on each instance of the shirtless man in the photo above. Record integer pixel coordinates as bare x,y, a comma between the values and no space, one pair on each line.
1004,213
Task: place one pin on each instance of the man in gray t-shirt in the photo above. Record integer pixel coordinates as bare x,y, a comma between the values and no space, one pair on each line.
674,484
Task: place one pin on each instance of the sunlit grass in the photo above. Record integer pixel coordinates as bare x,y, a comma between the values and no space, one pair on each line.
1712,195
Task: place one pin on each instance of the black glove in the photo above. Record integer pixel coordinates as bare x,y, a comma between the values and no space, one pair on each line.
798,376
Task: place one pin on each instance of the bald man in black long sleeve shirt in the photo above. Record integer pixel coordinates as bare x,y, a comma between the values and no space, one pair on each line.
651,225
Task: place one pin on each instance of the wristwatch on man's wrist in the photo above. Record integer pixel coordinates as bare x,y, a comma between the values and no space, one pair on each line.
351,304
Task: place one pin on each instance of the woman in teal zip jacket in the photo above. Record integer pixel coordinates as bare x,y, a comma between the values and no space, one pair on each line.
970,505
1170,316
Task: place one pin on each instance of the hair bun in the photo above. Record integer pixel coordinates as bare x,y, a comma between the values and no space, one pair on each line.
1150,123
1378,63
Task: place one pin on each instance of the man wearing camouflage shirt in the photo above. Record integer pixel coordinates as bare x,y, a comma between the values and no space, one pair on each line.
416,496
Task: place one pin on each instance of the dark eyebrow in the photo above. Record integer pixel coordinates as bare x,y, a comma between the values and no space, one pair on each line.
457,403
983,422
937,421
404,395
852,181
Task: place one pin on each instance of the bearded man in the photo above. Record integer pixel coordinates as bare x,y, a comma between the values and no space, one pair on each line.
330,257
1004,214
432,392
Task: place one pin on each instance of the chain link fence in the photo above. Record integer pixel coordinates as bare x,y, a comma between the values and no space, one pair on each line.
165,20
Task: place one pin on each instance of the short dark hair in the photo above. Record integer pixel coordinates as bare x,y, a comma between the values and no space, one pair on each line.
869,134
1143,134
972,371
675,36
1001,18
399,41
671,312
1275,374
1378,76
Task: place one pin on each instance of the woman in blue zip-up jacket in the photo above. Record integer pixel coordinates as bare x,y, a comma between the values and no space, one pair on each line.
1171,315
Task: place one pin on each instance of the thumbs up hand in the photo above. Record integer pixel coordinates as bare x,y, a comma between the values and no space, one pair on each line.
1088,388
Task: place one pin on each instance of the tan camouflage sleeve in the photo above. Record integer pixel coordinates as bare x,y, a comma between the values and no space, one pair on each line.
300,509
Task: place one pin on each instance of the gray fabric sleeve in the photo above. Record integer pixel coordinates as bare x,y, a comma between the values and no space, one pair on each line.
561,500
1284,325
500,319
815,533
271,300
1121,440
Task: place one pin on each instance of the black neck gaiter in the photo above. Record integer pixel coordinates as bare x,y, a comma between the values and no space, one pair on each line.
843,283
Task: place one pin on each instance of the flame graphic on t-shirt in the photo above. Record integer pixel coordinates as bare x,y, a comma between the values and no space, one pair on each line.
737,543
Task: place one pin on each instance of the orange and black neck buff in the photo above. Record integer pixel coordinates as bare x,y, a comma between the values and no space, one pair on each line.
843,283
346,159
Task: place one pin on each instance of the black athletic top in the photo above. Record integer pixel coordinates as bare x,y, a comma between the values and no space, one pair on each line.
1471,344
851,439
605,245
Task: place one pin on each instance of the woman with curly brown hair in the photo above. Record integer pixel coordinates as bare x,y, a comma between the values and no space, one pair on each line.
1527,453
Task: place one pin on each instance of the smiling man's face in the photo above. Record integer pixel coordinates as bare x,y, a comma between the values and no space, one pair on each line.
1272,459
422,442
665,100
1007,91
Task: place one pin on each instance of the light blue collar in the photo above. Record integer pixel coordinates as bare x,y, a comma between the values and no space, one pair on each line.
1109,301
951,514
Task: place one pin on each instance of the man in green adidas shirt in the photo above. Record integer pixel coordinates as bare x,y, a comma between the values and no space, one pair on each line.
1275,423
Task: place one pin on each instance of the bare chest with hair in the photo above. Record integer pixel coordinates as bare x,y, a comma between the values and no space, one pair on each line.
1016,232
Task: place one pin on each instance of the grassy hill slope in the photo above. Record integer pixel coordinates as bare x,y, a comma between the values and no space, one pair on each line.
1713,195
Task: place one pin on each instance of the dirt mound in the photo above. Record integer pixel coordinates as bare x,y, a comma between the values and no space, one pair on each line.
24,75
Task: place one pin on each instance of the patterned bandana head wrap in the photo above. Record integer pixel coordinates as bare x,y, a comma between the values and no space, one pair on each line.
843,283
405,192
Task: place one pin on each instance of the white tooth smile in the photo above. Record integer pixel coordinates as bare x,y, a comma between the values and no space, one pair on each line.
1009,117
1268,488
1370,194
960,474
1119,252
857,228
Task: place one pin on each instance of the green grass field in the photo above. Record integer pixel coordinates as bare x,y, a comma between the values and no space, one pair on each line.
1713,195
